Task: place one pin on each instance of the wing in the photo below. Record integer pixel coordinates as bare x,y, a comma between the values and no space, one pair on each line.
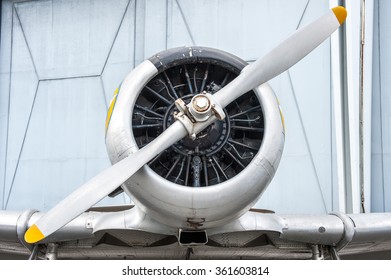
313,236
126,232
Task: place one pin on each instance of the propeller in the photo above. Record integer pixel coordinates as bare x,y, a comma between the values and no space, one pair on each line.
281,58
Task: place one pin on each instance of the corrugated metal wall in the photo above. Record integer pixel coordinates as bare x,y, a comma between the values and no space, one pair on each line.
61,61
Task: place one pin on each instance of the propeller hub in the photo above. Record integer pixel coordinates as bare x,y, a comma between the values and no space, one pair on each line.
207,142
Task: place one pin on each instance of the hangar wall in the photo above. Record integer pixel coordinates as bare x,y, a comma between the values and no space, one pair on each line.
61,60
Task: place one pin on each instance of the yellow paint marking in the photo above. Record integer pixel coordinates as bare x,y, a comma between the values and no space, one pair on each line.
282,118
33,235
111,108
340,13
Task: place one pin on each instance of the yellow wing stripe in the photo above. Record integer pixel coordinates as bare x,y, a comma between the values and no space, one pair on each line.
111,108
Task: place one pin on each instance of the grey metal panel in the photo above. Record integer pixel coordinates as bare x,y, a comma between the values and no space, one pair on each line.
70,38
120,59
65,139
22,93
381,108
247,29
377,193
377,203
5,57
156,17
18,95
4,80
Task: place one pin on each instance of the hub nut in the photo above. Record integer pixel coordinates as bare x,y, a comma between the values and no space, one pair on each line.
201,103
200,107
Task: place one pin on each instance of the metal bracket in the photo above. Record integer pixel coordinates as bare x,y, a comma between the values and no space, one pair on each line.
317,252
349,230
333,253
34,252
51,251
187,123
90,222
22,226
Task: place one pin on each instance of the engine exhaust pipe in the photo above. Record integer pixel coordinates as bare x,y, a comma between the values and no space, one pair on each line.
192,238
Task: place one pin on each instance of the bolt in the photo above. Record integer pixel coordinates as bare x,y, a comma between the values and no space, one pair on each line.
201,103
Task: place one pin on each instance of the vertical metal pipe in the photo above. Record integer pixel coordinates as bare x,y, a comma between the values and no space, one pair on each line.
316,252
365,101
34,253
51,252
361,102
339,99
334,254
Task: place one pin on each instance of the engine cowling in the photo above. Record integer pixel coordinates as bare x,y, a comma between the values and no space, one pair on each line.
214,178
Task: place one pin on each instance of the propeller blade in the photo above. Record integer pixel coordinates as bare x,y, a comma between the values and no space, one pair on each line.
282,57
101,185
